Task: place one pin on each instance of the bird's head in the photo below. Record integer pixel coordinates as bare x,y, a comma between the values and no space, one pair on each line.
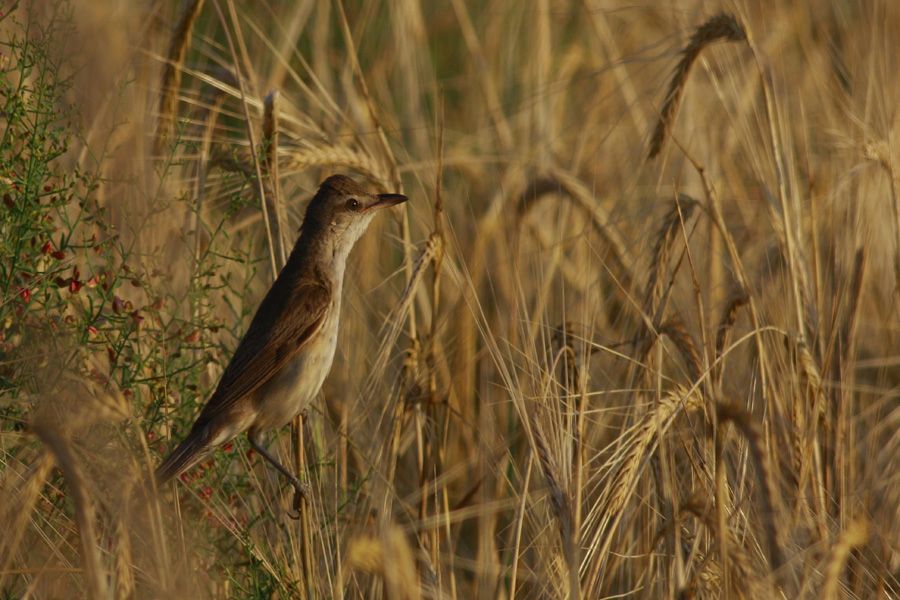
342,209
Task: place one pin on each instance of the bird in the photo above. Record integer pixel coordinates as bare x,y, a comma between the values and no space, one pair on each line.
284,357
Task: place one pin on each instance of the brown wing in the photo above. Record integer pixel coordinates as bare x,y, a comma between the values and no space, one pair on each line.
290,314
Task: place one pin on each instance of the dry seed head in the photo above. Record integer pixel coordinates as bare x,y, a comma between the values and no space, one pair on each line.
720,27
653,424
390,557
17,506
747,426
674,330
558,498
739,298
300,159
683,208
855,536
171,80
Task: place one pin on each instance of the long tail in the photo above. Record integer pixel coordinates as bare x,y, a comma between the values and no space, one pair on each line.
188,453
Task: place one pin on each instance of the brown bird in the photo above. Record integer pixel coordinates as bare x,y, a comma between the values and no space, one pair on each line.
283,359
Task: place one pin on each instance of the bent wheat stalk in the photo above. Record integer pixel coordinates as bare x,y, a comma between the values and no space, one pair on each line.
171,80
720,27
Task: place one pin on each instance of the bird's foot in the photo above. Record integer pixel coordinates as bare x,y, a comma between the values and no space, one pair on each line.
300,494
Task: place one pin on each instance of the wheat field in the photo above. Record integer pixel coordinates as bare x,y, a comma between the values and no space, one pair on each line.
635,335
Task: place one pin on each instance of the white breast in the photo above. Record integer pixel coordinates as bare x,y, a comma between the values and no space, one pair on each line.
295,386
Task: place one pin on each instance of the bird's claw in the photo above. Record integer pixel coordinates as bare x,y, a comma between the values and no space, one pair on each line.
299,495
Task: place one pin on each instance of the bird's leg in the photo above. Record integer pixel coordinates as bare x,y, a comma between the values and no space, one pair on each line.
299,488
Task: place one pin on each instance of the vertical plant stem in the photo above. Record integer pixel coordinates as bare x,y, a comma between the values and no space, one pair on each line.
272,187
250,135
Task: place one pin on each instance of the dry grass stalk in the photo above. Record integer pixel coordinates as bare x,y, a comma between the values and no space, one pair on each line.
743,421
513,182
298,435
502,128
792,250
634,451
559,499
519,521
16,508
799,457
301,159
393,324
721,529
435,439
122,567
722,26
714,206
739,299
271,184
662,248
709,573
390,557
562,182
393,171
809,369
880,153
391,162
855,536
806,425
848,333
845,369
577,380
600,23
674,330
171,80
85,516
248,123
653,425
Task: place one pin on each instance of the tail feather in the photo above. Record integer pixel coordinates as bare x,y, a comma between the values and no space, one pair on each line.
188,453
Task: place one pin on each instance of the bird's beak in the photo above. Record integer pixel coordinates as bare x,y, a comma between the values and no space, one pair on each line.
386,200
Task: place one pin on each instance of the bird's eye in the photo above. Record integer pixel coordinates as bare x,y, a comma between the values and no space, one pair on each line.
353,204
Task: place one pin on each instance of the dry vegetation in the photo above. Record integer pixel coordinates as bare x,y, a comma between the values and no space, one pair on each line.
637,334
